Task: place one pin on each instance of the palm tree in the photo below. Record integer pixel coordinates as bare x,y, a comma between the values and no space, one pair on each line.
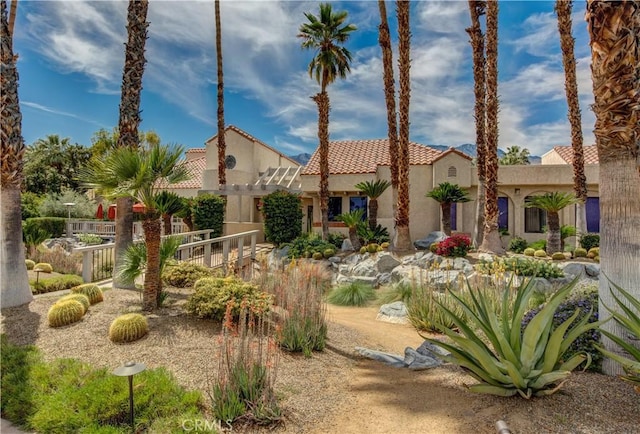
491,238
477,9
352,220
12,16
138,174
402,240
615,55
14,281
222,148
373,190
390,100
446,194
563,10
326,34
185,212
168,204
129,120
515,155
552,203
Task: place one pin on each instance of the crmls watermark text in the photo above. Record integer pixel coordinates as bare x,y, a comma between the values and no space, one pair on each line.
202,425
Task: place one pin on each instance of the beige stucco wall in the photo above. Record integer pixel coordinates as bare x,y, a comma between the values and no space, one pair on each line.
462,170
552,157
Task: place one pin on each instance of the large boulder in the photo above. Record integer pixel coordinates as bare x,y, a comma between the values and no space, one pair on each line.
346,245
574,269
410,272
365,268
395,312
386,262
433,237
592,270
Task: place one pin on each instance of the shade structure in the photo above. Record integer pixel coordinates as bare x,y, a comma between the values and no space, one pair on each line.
100,212
139,207
111,213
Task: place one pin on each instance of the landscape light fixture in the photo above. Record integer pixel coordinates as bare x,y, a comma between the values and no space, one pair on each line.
129,369
69,205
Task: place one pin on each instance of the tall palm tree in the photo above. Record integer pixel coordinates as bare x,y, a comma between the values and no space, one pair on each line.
615,55
13,11
402,241
552,203
352,220
185,212
390,100
446,194
477,8
129,120
14,281
563,10
138,174
373,190
222,147
514,156
326,34
168,204
491,238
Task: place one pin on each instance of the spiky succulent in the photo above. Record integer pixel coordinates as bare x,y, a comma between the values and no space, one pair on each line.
128,328
91,290
65,312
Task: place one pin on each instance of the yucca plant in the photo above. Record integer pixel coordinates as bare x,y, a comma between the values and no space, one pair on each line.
630,320
528,362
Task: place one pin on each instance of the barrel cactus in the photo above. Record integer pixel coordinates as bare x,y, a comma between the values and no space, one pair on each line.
580,252
30,264
43,267
65,312
558,256
91,290
128,328
83,299
540,254
318,256
529,251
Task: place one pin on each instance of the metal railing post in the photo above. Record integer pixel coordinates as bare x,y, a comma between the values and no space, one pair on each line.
240,253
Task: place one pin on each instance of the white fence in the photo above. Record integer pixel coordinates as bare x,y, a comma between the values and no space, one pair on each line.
107,229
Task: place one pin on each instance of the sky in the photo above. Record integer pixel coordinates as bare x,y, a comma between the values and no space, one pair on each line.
71,58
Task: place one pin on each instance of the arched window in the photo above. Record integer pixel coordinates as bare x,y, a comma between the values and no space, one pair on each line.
453,172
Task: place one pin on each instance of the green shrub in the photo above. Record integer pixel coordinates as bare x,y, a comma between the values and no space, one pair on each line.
585,303
377,235
53,205
336,239
352,294
558,256
424,312
57,283
60,260
309,242
212,295
521,267
29,263
539,245
580,253
517,244
33,235
65,312
135,258
589,241
91,290
90,239
29,204
83,299
55,226
506,360
43,267
529,251
208,213
128,328
399,292
185,274
540,254
282,213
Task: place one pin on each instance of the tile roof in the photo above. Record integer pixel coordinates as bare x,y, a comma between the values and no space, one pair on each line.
195,167
193,153
566,153
364,156
452,151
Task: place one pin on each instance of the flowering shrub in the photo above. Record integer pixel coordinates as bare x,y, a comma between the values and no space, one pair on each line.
585,301
455,246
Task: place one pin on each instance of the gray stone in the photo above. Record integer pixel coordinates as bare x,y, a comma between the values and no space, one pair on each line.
353,259
384,278
410,272
540,284
341,279
445,279
433,237
367,280
574,269
426,260
395,309
460,263
389,359
346,245
386,262
335,259
592,270
559,282
417,361
485,257
419,254
345,268
365,268
409,260
432,350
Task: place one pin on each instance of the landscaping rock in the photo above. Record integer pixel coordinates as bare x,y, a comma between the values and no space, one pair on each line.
386,262
410,272
445,279
365,268
345,268
574,269
485,257
395,312
541,285
431,350
367,280
426,260
592,270
384,278
419,362
335,259
341,279
346,245
433,237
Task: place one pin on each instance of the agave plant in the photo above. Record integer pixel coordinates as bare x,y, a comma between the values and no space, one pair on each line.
528,362
630,320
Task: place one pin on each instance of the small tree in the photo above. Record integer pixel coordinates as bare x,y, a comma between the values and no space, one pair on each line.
373,190
552,203
168,204
446,194
208,213
282,213
352,220
515,155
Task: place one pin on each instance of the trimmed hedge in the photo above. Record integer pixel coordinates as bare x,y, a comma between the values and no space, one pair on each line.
208,213
282,213
57,283
56,226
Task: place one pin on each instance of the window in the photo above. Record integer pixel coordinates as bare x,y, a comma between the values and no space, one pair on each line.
503,213
453,172
358,202
335,207
592,208
454,217
535,219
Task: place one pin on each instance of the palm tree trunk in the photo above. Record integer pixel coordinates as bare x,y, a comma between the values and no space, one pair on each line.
130,119
553,233
152,273
402,241
222,147
166,222
12,16
14,280
373,213
614,28
563,9
477,9
491,240
322,100
353,237
390,99
446,218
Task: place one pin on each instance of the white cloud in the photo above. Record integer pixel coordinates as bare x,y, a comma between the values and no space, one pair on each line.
58,112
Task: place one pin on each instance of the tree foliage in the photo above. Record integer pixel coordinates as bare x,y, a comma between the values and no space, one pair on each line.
53,205
282,213
515,155
208,213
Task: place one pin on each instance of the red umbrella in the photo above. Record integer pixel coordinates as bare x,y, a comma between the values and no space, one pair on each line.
100,212
111,213
139,207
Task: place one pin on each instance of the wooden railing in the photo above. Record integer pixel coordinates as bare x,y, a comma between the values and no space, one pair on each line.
225,252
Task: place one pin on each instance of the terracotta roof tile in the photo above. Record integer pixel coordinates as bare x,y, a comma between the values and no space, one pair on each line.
364,156
566,153
195,167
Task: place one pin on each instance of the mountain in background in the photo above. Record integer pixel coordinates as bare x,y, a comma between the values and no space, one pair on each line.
301,158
